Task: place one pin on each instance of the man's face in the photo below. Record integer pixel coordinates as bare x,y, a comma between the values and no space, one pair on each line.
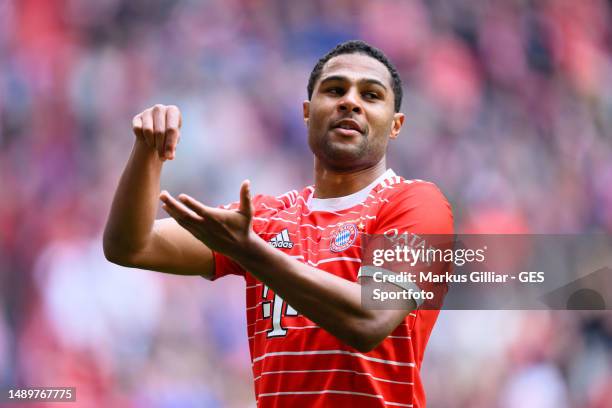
351,114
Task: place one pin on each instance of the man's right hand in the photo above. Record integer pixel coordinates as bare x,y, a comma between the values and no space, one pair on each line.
159,127
133,237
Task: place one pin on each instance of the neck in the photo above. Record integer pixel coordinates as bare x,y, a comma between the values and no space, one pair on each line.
330,183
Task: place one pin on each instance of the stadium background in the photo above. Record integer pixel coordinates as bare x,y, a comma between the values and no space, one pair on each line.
509,111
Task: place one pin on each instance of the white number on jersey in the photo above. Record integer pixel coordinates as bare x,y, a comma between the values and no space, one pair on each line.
277,305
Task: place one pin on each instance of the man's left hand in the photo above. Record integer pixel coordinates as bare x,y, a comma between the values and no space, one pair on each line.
226,231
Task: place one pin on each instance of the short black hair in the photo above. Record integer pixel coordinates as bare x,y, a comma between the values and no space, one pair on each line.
358,47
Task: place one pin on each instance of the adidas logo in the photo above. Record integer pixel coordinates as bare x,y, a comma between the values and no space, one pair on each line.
282,240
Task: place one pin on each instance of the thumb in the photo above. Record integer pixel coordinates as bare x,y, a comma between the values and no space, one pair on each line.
246,206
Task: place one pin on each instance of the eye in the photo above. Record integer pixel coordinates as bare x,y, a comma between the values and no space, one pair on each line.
335,91
371,95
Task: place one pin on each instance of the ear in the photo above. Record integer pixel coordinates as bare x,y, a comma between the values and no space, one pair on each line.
306,111
396,125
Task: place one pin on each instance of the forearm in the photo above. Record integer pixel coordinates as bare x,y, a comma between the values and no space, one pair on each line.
134,207
330,301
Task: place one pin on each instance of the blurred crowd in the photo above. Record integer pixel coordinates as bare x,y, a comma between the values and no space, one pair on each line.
508,109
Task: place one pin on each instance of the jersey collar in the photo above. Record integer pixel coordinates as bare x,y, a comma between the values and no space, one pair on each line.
345,202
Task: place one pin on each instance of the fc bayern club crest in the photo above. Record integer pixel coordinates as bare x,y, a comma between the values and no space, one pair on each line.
343,237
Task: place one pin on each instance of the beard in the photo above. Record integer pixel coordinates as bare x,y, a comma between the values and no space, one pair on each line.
340,154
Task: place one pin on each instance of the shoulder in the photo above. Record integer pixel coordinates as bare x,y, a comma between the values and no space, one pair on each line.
417,204
267,203
397,189
270,205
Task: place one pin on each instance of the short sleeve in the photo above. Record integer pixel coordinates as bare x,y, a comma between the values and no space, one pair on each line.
225,266
419,208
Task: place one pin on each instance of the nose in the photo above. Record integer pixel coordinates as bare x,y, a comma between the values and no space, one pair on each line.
349,102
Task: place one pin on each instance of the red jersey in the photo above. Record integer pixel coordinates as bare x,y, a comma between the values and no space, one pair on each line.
295,362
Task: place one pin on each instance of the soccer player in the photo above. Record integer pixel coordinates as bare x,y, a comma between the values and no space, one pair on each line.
312,342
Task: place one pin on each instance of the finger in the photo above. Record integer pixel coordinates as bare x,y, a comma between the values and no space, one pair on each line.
147,127
176,216
245,198
137,126
177,210
195,205
159,128
173,123
180,218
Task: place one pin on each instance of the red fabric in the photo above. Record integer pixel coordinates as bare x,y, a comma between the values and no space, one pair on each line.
296,363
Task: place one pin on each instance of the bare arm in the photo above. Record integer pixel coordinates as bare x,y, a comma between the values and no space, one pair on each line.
329,300
132,236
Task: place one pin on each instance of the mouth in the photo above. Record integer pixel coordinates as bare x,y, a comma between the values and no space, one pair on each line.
347,126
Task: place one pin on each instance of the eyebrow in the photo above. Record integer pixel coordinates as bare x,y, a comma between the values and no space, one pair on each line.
343,78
